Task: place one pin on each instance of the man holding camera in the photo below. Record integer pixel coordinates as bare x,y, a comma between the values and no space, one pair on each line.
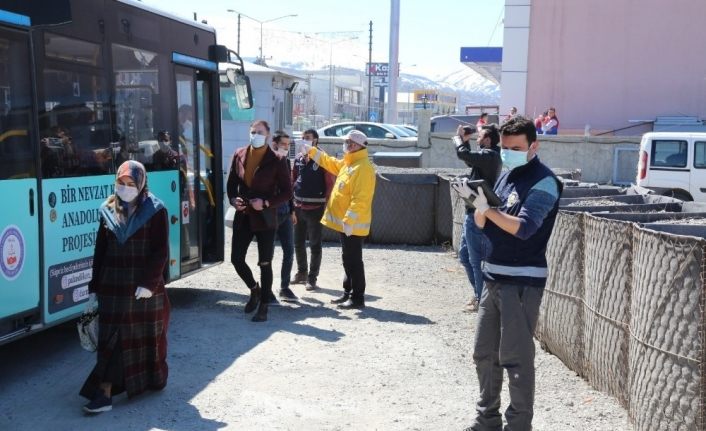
515,272
486,165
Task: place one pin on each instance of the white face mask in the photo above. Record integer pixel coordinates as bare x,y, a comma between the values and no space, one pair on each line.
282,152
257,140
126,193
347,147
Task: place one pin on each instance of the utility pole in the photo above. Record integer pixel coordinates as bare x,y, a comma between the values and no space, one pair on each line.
370,61
394,65
238,48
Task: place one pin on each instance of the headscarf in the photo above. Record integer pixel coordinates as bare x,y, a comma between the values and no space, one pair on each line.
125,218
136,171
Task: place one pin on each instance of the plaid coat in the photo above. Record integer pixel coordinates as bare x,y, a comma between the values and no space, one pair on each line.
132,340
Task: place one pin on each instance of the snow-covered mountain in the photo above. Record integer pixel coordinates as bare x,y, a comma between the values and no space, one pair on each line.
470,87
300,53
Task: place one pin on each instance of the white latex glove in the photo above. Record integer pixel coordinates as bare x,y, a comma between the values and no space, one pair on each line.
347,229
142,293
462,188
92,304
480,201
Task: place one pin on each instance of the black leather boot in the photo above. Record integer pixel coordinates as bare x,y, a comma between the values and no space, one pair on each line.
254,298
261,315
342,299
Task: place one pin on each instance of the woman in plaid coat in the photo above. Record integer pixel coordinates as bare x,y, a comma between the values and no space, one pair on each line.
130,257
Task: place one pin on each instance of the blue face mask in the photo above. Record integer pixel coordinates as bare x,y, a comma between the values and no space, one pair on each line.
513,159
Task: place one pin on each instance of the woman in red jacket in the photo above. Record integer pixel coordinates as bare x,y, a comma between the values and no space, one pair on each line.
258,182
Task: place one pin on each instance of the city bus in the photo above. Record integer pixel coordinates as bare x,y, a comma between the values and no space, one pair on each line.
84,86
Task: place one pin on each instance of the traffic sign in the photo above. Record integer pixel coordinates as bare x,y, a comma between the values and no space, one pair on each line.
373,116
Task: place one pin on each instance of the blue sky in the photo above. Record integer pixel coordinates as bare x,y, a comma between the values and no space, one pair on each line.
431,32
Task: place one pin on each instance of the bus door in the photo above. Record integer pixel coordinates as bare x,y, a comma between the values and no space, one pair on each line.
19,218
200,242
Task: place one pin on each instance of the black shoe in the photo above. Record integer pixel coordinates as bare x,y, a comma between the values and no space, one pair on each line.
300,278
311,285
100,403
342,299
254,299
271,300
352,305
261,315
287,295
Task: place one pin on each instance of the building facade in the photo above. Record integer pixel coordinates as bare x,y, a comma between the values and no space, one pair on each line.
608,66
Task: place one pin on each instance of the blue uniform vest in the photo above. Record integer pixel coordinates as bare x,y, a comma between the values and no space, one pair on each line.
512,188
310,185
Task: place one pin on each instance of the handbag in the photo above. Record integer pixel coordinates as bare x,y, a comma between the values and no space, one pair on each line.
230,216
88,330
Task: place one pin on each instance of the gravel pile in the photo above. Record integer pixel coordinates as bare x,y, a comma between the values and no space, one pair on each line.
693,221
596,203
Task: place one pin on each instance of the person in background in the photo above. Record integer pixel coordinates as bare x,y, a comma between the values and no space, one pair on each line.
287,220
165,157
513,113
312,188
131,252
539,122
515,274
349,210
550,126
258,183
485,164
482,121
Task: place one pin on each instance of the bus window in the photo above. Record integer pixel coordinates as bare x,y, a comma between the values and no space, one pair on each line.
136,94
15,113
74,128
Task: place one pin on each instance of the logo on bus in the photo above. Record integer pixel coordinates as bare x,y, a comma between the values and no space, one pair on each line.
12,247
52,199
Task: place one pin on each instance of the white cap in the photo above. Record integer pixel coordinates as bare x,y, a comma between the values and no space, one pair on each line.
358,137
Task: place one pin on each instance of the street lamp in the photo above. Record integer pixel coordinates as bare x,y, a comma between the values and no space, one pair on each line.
261,59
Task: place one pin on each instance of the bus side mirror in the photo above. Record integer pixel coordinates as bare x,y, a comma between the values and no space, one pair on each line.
241,84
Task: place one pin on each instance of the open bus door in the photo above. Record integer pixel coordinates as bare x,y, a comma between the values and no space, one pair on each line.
201,226
201,216
19,218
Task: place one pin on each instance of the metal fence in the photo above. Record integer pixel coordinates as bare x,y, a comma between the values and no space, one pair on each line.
624,307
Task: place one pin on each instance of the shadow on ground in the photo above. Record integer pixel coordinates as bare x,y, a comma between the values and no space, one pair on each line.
41,375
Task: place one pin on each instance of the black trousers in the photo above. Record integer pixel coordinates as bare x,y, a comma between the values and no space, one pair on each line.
242,237
352,254
308,224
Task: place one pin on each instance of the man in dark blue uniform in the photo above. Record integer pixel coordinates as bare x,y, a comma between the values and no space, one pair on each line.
515,274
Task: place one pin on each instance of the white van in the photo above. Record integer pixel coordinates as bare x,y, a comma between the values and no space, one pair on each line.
673,164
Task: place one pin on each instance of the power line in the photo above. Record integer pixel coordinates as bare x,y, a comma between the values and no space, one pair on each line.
497,23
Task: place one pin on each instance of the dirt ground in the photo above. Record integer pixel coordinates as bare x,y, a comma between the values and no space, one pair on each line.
404,363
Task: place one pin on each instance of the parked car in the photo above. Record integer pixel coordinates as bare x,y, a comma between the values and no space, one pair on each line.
371,130
410,128
673,164
449,123
403,131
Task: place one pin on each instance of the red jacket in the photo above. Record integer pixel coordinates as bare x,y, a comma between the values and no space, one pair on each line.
270,182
